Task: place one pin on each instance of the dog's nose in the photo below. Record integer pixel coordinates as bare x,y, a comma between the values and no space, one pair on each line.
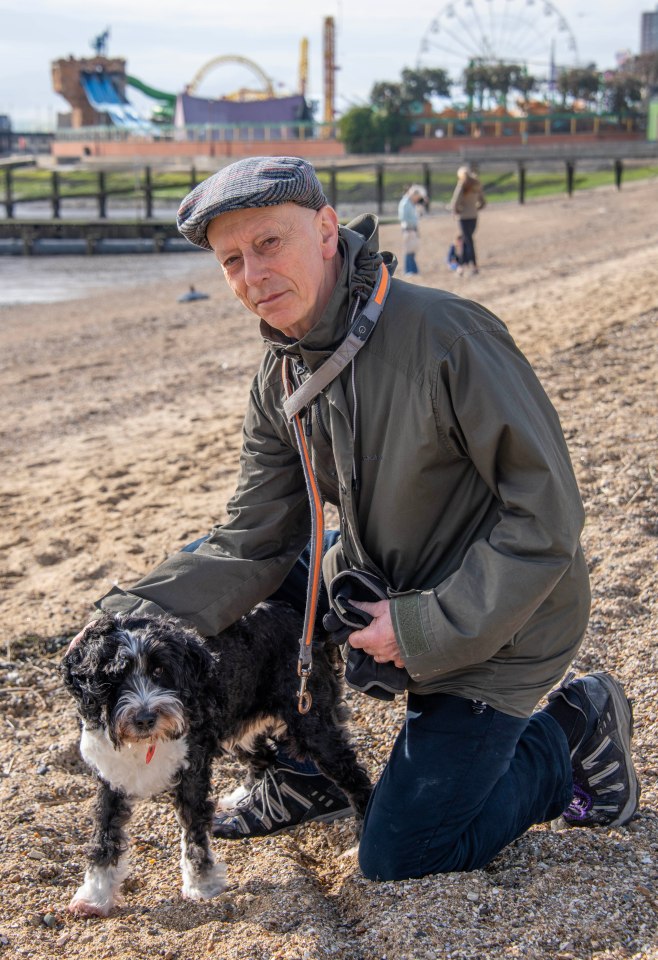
144,720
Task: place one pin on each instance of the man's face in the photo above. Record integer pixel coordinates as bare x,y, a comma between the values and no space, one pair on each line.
279,261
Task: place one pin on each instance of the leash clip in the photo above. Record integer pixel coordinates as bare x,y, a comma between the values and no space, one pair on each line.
304,698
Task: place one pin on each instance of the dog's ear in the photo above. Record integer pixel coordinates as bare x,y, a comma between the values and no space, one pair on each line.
80,669
198,666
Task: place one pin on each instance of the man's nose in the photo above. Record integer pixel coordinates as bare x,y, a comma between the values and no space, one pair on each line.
255,270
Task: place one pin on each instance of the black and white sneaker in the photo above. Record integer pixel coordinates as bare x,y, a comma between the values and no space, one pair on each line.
606,788
281,799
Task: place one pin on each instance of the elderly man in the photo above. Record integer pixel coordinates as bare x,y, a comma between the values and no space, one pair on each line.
456,495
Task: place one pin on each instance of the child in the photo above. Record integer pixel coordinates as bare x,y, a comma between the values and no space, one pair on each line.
456,253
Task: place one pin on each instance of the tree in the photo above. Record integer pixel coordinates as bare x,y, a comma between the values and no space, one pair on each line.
486,82
361,131
579,83
419,86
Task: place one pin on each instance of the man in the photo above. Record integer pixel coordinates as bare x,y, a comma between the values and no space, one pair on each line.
455,490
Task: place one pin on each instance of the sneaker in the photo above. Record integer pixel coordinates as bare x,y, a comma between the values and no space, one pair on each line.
281,799
606,788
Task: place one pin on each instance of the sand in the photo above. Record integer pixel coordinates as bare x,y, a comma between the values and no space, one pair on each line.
120,436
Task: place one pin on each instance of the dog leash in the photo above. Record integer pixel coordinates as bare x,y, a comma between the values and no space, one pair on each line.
296,400
305,661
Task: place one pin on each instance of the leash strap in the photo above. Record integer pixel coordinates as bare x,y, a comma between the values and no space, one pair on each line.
360,331
296,400
305,661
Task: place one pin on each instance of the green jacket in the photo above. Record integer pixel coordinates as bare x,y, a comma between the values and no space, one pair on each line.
453,481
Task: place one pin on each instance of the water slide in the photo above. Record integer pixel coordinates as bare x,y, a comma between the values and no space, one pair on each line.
104,97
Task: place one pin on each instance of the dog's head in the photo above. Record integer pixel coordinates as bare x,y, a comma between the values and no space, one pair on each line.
138,678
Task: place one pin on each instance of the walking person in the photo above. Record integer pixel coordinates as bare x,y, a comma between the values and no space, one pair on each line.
431,434
467,201
410,207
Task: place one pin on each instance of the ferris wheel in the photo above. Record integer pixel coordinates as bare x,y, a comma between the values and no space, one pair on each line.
531,33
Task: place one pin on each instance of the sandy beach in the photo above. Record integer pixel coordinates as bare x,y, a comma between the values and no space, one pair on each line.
120,435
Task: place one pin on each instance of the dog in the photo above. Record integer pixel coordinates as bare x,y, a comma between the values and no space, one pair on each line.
157,703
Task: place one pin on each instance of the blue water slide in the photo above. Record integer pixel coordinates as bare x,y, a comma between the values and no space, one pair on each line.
104,97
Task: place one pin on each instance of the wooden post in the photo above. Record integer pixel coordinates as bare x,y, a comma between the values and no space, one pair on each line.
333,190
619,170
55,194
9,202
427,181
521,183
193,180
102,195
148,193
570,173
379,172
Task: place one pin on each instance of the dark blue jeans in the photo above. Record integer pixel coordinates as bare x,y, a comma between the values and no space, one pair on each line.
467,228
459,786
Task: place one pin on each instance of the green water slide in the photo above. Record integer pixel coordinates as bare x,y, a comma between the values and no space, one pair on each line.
167,101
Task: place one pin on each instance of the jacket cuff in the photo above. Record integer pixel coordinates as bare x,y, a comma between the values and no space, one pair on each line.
408,626
118,601
420,658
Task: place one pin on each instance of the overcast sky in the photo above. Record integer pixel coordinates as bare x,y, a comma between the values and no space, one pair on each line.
165,42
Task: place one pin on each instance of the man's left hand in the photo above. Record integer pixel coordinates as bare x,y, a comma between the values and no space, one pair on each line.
378,638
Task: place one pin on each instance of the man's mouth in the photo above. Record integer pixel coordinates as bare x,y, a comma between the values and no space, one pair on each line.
269,299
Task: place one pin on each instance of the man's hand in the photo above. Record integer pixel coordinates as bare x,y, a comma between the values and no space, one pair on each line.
378,638
78,637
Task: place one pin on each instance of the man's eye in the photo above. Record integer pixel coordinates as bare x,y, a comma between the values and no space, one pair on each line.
229,262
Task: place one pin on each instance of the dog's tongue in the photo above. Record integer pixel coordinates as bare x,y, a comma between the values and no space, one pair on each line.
150,752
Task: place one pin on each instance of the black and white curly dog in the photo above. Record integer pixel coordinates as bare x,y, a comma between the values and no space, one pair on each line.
157,703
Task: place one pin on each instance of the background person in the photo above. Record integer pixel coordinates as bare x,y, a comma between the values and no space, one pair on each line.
410,209
467,200
452,477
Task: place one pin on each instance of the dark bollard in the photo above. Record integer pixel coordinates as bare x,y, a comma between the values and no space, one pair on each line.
619,170
521,183
427,182
54,197
333,188
9,200
148,193
570,173
380,187
102,196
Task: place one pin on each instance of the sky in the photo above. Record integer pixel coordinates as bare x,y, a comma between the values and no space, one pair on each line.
165,42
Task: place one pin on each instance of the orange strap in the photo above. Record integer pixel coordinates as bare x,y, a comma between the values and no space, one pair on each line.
305,662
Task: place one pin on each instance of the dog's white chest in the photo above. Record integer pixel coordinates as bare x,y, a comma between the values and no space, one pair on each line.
126,769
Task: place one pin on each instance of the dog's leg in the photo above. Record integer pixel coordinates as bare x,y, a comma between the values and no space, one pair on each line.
257,757
203,878
108,860
322,738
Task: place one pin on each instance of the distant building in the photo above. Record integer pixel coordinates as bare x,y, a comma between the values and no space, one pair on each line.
649,32
256,119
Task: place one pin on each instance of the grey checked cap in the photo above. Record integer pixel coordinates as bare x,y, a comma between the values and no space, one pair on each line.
251,182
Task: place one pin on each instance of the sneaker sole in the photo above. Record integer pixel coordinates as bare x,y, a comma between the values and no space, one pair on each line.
623,710
286,828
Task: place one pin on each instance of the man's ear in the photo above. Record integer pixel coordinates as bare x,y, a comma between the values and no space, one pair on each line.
328,231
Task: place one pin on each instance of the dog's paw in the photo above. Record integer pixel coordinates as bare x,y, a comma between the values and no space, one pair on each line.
206,884
99,893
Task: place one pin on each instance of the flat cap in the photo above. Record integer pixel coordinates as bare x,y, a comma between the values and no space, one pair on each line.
251,182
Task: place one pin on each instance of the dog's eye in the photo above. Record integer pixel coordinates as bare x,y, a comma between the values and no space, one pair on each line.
157,672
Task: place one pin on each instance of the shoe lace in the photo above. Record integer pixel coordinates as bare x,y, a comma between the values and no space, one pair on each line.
265,800
581,804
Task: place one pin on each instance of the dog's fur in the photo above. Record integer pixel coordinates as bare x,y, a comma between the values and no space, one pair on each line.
140,682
